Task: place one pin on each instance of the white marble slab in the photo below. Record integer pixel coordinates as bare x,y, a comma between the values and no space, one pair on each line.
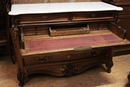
18,9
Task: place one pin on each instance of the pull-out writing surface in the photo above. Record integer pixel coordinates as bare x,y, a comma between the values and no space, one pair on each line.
46,44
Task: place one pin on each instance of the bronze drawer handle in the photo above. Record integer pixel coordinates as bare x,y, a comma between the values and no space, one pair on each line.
62,68
95,53
93,15
77,67
68,56
41,60
44,17
82,48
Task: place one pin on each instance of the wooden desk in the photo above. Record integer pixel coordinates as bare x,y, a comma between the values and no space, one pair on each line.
43,44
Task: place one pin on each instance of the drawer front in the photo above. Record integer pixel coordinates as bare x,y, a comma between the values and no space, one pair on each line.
43,18
66,68
35,30
89,16
62,56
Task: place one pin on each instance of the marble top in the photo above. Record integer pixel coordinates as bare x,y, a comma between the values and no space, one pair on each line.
19,9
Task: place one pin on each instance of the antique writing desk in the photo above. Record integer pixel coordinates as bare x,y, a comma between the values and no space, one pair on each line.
64,38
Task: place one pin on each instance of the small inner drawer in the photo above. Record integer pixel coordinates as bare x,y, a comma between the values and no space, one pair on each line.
43,18
69,30
94,15
27,31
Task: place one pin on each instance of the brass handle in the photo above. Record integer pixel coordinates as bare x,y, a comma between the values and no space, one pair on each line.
68,56
44,17
41,60
62,68
93,15
77,67
82,48
95,53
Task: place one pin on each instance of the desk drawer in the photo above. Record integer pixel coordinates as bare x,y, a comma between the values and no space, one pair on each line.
93,16
43,18
67,68
63,56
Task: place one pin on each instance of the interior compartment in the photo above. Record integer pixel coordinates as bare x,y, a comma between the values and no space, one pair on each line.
69,30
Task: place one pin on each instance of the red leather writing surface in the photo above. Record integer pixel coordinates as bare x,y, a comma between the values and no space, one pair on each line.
72,42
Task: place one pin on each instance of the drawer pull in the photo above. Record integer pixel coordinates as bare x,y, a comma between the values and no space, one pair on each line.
95,53
44,17
82,48
69,56
41,60
77,67
62,68
93,15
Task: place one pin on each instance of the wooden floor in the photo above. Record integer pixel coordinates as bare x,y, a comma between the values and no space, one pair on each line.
93,77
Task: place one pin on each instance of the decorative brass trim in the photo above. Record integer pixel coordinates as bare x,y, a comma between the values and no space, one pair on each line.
41,60
44,17
62,68
93,15
69,56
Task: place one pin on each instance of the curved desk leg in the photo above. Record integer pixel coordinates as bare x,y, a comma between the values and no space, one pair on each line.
109,64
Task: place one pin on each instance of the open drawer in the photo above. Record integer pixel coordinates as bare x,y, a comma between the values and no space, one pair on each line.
113,36
69,30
